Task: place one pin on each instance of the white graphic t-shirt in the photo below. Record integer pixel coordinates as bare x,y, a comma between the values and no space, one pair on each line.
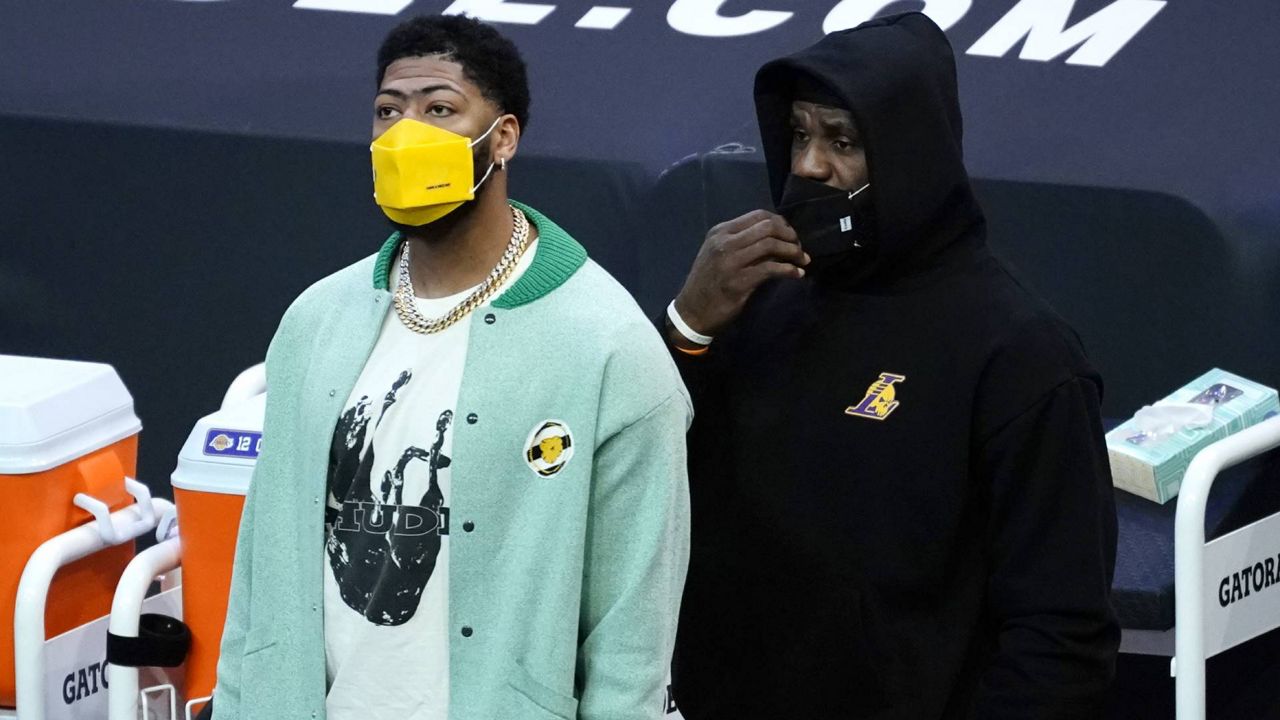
386,588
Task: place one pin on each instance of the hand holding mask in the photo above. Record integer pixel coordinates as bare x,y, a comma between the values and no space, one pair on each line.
736,258
833,224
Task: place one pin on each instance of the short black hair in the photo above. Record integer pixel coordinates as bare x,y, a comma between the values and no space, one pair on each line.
488,59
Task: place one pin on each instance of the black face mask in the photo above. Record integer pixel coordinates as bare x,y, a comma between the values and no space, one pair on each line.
834,225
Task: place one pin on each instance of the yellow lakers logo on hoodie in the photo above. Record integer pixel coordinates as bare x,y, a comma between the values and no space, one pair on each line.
881,398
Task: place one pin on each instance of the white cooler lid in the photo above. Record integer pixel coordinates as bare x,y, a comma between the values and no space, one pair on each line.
222,449
54,411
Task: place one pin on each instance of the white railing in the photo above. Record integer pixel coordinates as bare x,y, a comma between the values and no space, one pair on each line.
123,695
1205,623
106,530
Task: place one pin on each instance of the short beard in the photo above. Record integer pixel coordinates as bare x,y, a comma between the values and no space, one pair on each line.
445,225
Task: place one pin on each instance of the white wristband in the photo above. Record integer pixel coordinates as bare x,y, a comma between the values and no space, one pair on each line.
689,333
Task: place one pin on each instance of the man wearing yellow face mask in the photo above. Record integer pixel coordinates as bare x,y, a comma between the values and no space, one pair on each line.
450,517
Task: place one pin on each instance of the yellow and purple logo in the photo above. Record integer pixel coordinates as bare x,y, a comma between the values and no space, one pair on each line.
233,443
880,400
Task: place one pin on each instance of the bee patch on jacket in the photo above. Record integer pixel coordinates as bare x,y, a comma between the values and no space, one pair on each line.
549,448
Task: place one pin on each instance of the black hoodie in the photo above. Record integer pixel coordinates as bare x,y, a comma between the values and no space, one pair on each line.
902,506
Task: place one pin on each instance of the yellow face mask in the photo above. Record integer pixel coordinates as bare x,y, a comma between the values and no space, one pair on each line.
422,173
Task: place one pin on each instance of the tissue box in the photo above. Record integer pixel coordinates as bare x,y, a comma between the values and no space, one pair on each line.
1152,466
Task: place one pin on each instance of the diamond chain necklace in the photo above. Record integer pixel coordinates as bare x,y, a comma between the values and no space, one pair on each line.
407,309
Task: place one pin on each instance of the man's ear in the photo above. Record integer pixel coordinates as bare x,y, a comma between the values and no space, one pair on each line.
506,140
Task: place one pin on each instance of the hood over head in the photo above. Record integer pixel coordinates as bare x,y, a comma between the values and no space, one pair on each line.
897,76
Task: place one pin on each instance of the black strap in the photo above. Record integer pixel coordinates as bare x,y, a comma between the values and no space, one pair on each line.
162,642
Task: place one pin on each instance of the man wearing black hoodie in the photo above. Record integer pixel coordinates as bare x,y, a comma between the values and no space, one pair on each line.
902,505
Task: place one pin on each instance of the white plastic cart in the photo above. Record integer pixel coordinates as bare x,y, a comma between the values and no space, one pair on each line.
1214,609
127,699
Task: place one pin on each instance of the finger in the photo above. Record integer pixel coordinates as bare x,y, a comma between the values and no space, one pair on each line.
768,227
782,229
771,248
742,222
760,272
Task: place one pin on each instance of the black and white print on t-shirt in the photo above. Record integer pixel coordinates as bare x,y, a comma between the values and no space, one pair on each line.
381,550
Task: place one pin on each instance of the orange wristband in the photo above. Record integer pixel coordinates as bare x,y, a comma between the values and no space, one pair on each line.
700,351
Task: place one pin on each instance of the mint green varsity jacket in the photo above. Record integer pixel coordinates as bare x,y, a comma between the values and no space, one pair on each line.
564,590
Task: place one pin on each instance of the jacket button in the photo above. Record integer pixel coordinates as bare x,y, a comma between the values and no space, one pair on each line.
473,418
490,319
332,393
466,631
468,526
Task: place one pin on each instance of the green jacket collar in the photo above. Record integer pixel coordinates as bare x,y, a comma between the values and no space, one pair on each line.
558,257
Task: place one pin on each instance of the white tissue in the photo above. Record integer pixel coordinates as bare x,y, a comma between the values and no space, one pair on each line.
1167,418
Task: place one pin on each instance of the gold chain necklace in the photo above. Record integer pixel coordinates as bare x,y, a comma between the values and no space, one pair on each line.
407,309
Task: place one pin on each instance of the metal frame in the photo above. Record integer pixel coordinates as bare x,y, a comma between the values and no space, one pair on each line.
123,692
107,530
123,696
192,703
1188,665
167,688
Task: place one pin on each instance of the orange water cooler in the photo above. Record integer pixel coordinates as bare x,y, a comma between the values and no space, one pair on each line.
209,486
68,446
